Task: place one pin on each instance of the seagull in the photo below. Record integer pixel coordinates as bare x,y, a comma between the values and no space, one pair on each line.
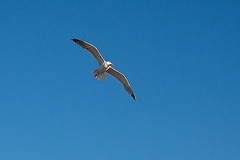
104,66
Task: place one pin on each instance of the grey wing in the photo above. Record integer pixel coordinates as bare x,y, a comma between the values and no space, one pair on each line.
122,79
91,49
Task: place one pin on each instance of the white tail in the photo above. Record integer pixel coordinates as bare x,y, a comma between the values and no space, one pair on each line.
95,72
99,76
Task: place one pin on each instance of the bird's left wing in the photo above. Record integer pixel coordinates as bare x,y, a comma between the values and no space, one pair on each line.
122,79
91,49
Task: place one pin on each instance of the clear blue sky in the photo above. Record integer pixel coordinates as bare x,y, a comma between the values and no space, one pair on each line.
182,59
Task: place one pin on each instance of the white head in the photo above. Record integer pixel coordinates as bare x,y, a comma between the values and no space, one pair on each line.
109,63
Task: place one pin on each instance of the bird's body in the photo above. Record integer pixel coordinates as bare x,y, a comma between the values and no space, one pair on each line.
104,66
100,73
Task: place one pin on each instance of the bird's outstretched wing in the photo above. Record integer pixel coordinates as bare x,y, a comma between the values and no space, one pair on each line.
91,49
122,79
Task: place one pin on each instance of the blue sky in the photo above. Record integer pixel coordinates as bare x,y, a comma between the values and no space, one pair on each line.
181,58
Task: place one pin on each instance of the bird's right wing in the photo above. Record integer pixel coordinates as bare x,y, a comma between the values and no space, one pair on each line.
122,79
91,49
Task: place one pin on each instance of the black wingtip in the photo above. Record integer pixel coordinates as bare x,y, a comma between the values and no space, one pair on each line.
133,97
75,40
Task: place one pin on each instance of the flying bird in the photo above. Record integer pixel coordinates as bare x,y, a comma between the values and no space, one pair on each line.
104,66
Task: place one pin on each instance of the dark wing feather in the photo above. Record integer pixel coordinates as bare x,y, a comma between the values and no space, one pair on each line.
91,49
122,79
